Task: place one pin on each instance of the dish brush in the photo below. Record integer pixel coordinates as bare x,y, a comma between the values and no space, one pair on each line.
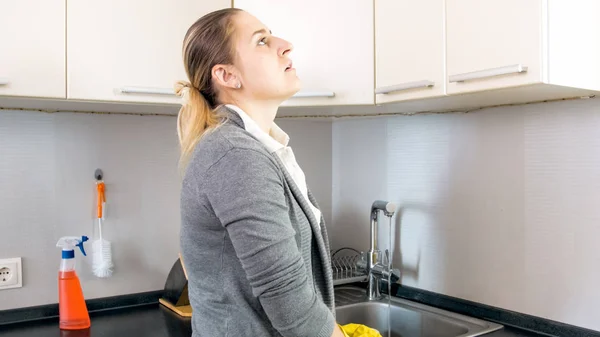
102,255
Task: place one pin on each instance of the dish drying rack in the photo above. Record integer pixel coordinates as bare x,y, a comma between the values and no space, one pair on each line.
344,266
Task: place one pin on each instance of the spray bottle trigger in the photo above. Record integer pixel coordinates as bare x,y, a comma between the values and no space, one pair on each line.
80,244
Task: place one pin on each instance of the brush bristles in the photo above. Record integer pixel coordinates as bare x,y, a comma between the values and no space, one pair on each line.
102,261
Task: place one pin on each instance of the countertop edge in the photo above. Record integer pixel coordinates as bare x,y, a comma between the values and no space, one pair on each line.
49,311
521,321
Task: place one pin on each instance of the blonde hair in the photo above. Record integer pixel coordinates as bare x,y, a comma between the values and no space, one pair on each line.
207,42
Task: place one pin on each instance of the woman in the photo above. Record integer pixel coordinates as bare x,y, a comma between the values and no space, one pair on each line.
253,239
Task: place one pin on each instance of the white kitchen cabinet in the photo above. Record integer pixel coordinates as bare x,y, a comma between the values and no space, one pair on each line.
32,44
333,47
499,44
129,51
485,37
418,56
409,49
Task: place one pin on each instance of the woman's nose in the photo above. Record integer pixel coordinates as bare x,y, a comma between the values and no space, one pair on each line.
285,47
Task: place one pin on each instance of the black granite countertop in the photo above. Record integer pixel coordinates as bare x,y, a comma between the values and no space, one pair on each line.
152,320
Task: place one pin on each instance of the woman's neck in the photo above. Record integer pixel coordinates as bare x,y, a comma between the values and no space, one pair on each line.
263,113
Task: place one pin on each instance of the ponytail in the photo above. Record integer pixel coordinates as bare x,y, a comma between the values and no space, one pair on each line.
195,118
207,42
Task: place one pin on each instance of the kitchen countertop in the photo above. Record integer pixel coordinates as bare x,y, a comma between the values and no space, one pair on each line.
152,320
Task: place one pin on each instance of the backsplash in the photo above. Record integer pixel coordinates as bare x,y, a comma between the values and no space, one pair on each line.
499,206
47,189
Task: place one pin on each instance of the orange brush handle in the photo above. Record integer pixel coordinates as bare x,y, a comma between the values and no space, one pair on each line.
101,198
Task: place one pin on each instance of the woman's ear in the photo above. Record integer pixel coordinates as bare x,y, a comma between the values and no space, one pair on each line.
226,76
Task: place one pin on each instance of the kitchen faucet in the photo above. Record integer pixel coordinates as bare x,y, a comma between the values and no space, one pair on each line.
372,262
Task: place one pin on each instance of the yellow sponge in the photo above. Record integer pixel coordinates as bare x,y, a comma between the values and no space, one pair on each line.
359,330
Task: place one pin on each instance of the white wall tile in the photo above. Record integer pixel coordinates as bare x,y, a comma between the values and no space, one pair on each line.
47,190
496,206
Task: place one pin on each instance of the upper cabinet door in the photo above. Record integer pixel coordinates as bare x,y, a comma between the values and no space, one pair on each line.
409,49
332,46
32,44
129,50
493,44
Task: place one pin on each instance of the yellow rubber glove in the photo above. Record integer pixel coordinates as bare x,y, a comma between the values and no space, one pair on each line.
359,330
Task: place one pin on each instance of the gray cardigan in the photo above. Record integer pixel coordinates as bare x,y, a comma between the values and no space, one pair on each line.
257,259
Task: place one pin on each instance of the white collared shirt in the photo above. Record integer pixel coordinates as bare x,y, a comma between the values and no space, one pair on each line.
277,142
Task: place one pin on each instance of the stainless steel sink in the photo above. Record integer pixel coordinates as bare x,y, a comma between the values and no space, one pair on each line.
408,319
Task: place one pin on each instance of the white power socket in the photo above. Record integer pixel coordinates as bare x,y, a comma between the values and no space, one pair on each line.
11,273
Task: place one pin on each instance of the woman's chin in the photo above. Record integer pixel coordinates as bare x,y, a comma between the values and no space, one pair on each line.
291,90
295,86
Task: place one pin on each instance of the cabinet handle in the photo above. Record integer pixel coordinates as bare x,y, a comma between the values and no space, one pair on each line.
512,69
305,94
404,86
4,81
146,90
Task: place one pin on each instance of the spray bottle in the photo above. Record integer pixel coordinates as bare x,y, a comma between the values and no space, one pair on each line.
71,304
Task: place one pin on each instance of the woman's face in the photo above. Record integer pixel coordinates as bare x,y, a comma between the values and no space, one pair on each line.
265,69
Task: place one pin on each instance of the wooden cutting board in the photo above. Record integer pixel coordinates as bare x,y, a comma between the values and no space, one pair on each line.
184,310
175,295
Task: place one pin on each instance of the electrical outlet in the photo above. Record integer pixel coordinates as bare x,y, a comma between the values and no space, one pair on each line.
11,273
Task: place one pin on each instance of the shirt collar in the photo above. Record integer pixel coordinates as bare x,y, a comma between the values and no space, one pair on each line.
275,140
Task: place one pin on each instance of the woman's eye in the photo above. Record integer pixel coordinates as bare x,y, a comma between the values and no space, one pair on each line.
262,41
